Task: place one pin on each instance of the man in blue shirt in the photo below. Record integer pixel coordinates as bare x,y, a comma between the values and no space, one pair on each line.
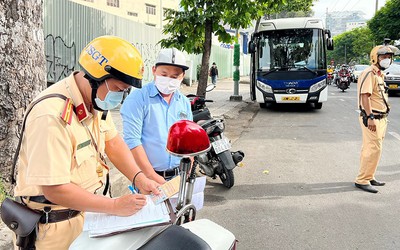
149,112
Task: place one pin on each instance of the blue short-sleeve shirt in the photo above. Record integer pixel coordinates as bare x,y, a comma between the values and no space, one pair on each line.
147,118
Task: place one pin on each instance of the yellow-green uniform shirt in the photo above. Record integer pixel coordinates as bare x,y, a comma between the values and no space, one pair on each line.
375,86
54,152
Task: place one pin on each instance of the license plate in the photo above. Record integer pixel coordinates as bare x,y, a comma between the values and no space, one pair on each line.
221,145
393,86
291,98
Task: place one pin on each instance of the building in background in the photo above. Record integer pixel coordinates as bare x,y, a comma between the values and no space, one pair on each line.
149,12
336,21
353,25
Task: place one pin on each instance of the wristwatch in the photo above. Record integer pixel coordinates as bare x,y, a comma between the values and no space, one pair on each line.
371,116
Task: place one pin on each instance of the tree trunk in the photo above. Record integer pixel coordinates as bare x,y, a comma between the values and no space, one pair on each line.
201,88
22,70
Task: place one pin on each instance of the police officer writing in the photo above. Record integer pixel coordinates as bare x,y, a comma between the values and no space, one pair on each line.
61,161
374,107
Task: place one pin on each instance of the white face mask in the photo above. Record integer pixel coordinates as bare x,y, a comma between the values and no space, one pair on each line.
167,85
385,63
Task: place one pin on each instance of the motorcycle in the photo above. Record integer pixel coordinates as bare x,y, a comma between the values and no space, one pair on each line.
344,81
185,139
219,161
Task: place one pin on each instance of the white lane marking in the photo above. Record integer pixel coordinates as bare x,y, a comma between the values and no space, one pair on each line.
341,100
395,135
332,93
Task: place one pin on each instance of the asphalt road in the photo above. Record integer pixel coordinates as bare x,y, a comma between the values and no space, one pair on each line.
297,191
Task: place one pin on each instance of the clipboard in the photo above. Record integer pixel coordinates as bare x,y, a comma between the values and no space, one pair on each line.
98,232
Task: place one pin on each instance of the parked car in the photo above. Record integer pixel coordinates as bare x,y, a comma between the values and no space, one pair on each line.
358,68
392,78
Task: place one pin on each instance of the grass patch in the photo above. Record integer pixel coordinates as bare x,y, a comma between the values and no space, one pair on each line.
3,193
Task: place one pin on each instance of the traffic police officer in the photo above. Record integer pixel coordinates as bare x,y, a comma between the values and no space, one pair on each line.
374,107
61,163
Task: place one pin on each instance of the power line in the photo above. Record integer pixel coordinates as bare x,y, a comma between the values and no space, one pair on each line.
346,5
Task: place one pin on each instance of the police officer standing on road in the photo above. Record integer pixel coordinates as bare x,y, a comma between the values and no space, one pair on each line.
61,161
374,107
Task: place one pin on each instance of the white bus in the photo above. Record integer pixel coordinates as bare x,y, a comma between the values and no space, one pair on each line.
288,61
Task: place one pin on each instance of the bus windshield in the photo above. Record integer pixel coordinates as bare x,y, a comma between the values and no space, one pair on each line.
291,49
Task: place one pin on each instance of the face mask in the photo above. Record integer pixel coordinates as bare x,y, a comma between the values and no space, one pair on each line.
385,63
112,99
167,85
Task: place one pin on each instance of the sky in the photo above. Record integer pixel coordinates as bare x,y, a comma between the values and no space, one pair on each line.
366,6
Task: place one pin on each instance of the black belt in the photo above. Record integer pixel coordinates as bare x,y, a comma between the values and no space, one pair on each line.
380,116
48,215
54,216
169,172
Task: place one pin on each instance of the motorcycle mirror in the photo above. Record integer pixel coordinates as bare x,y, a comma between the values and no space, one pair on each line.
210,87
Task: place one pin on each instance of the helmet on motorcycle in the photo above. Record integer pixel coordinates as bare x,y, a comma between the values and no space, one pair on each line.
111,56
186,138
380,50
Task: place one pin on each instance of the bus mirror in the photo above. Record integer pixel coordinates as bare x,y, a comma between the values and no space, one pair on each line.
252,47
328,32
329,43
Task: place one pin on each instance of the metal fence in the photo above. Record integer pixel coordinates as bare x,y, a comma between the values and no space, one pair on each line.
69,26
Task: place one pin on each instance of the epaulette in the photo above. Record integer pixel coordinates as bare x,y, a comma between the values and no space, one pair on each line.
68,110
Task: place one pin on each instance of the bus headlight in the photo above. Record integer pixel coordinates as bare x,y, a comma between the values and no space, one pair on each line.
318,86
264,87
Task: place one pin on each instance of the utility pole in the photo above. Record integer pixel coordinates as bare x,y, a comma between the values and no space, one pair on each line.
376,6
161,15
236,73
345,55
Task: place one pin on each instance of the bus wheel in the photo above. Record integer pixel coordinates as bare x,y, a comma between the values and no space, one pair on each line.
318,105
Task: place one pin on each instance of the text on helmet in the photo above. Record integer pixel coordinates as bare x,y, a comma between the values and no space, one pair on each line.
96,55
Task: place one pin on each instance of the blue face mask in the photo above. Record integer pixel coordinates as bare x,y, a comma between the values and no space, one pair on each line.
112,99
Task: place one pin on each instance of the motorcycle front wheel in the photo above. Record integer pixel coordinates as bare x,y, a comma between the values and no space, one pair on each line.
227,177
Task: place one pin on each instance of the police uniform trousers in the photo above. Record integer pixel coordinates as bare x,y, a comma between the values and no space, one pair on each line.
371,150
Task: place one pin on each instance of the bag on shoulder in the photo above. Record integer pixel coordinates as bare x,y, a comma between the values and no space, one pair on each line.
21,220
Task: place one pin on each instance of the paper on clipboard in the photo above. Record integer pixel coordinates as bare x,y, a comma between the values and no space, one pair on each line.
100,224
167,190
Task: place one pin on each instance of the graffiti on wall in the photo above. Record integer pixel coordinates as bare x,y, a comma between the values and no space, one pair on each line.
60,58
149,53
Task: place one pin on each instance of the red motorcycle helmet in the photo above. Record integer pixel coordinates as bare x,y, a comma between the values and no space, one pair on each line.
186,138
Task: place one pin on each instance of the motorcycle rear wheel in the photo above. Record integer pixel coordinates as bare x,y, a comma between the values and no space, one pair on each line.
227,177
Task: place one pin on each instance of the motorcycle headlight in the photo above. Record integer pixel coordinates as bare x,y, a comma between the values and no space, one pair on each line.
317,86
265,87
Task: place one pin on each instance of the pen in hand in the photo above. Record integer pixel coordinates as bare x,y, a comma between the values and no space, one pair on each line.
132,189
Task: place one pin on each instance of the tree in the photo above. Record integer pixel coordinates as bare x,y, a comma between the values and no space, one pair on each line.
386,22
191,28
22,69
352,47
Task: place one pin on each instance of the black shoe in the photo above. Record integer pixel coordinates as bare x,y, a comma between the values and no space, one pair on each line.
367,188
377,183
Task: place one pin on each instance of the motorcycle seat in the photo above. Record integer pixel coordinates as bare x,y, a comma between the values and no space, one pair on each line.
176,238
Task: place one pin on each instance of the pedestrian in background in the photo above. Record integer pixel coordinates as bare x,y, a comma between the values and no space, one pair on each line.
149,112
213,73
374,107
